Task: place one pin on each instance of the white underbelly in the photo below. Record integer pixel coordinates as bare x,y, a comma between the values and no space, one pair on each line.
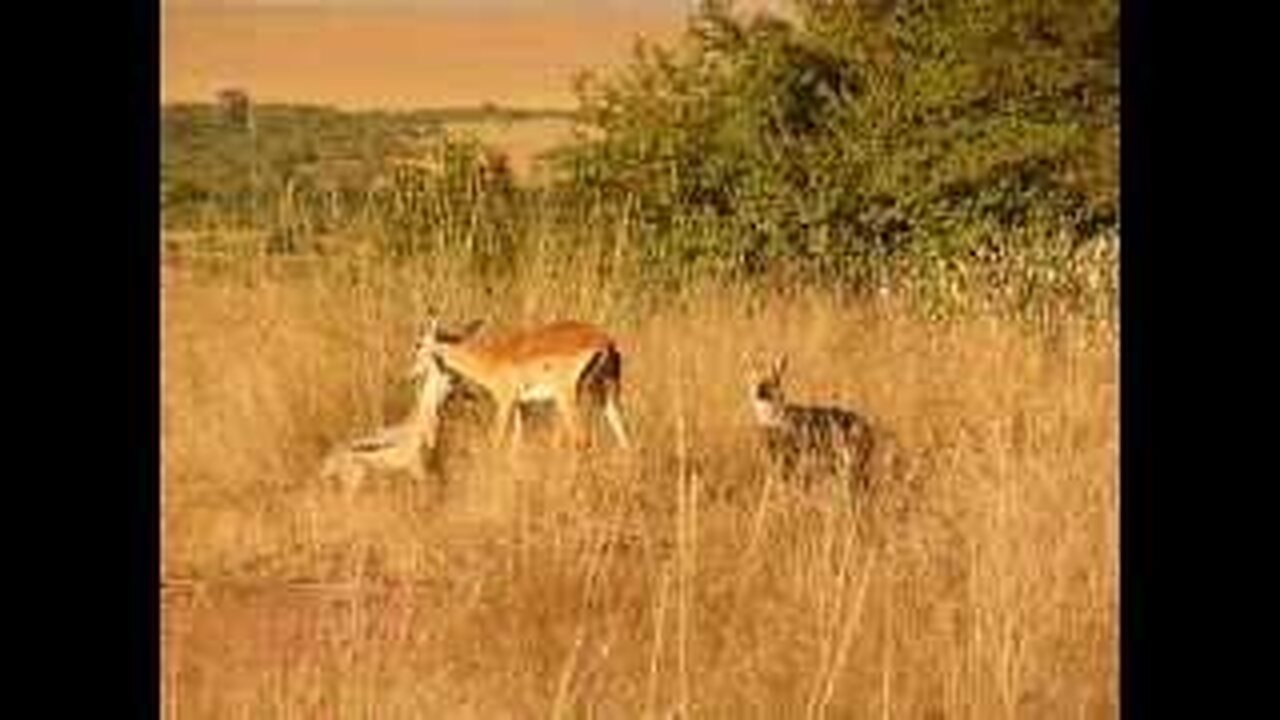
537,393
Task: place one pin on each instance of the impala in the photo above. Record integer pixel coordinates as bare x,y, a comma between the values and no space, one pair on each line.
398,448
835,440
573,365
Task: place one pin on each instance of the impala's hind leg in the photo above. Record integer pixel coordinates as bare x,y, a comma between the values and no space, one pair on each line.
606,390
614,416
599,394
565,433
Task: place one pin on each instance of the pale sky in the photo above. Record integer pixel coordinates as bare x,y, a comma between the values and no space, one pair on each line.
446,52
626,6
668,7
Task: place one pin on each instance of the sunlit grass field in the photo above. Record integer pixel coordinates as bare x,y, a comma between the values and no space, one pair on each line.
977,580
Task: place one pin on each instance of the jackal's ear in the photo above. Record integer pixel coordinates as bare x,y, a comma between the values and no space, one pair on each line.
756,367
779,366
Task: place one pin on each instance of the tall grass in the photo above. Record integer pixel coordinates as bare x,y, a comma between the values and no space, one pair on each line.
681,580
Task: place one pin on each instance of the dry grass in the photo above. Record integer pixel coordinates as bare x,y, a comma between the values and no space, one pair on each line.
982,583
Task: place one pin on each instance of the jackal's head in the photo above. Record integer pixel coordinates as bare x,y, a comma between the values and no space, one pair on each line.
765,386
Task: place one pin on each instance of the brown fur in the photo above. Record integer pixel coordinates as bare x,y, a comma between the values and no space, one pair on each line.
575,365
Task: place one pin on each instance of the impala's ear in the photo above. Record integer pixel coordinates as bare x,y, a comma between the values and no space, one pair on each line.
471,328
455,336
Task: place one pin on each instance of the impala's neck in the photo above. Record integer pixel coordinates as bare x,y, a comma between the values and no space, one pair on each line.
432,391
464,361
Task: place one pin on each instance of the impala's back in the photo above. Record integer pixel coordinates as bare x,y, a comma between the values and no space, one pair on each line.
532,359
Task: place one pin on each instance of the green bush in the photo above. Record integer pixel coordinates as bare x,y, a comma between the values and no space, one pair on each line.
865,131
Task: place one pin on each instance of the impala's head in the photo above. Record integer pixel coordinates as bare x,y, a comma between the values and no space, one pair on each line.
434,382
426,354
434,385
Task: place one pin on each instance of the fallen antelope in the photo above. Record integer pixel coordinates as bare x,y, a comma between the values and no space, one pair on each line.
397,448
807,438
572,365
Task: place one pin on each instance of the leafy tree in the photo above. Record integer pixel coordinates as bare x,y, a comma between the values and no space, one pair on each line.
865,130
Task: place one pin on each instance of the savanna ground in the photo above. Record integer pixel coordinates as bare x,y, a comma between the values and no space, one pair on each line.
981,581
